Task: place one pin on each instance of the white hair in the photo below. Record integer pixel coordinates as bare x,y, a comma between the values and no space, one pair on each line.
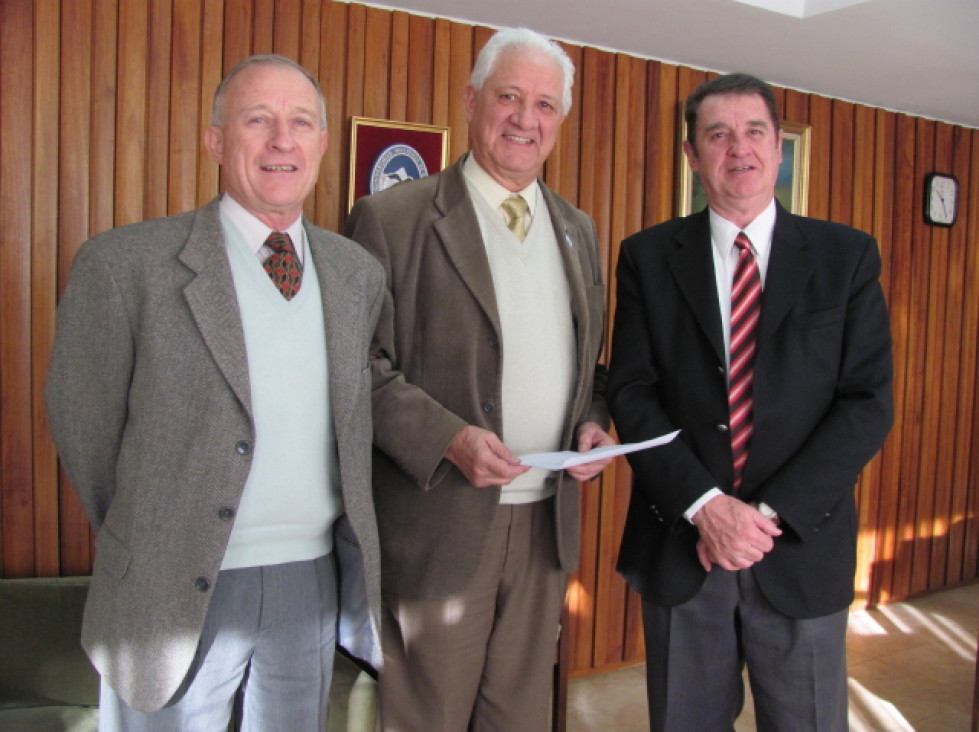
507,38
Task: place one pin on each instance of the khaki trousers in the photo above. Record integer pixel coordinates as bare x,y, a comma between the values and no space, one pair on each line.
480,660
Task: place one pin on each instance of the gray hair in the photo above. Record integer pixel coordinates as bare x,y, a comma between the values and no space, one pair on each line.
268,59
507,38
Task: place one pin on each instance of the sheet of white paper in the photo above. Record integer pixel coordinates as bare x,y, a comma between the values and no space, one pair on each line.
569,458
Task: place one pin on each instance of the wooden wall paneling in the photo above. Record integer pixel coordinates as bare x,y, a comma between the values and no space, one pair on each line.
964,392
75,122
863,218
286,24
970,209
17,501
441,58
947,348
934,241
310,47
563,164
462,56
105,100
156,161
896,582
398,100
663,146
181,106
889,457
820,155
420,71
212,54
915,468
841,163
355,62
331,209
44,280
263,27
626,217
377,63
796,106
597,72
235,35
131,113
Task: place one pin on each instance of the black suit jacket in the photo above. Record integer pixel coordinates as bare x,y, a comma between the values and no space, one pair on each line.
822,404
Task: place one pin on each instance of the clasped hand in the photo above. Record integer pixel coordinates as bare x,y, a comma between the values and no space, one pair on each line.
733,534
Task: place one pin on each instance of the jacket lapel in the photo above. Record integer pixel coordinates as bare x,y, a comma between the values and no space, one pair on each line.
458,230
342,306
692,265
788,271
212,300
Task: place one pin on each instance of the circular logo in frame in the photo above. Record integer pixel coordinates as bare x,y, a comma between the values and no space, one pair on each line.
394,164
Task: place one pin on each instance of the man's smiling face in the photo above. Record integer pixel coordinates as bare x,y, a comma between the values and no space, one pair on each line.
514,119
737,155
270,142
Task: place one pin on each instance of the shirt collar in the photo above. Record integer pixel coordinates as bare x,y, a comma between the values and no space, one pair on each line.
492,191
759,232
255,232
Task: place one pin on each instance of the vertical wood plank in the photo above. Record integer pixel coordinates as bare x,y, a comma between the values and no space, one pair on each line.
969,269
377,62
156,165
185,111
17,501
44,281
420,71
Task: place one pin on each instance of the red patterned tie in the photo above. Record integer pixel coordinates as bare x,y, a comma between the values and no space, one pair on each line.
745,310
283,265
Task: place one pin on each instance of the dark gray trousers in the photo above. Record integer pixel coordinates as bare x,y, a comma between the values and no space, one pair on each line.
696,653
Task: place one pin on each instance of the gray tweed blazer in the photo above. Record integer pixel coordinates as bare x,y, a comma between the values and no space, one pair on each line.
150,409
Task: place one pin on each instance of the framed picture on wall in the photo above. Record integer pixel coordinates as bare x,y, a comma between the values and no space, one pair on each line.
791,186
383,153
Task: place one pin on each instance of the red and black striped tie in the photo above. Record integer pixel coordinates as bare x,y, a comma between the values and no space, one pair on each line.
745,310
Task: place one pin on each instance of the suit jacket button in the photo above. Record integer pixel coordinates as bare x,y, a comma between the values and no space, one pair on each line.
226,514
243,447
487,407
494,343
202,584
721,428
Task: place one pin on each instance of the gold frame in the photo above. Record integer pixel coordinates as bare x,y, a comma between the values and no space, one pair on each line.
369,136
794,196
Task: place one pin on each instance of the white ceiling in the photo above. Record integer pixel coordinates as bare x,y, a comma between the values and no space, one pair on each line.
915,56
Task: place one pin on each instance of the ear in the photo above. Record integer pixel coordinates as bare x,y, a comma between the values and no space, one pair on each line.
691,154
781,137
324,142
469,100
214,142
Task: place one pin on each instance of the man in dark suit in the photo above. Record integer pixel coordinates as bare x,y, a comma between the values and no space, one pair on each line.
210,400
486,349
741,534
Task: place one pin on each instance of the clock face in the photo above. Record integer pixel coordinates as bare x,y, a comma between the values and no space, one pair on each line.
941,198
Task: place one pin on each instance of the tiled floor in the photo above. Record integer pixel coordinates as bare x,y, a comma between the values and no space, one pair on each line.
911,666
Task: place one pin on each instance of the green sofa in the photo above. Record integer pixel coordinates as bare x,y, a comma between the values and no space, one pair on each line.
48,685
46,681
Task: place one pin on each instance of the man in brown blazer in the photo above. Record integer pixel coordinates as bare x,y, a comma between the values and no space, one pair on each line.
215,422
486,349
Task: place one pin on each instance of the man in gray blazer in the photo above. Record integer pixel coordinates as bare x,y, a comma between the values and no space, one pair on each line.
486,349
209,397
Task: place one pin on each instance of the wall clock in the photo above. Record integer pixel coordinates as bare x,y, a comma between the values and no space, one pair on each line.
941,199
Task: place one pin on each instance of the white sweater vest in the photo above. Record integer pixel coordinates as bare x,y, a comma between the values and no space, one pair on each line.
291,497
538,343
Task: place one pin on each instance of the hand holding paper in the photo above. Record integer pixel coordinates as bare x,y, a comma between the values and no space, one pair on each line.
570,458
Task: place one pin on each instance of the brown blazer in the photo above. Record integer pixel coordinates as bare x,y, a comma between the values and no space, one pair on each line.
436,366
150,408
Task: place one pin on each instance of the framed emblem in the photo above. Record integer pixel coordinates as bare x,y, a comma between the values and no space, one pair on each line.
384,153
